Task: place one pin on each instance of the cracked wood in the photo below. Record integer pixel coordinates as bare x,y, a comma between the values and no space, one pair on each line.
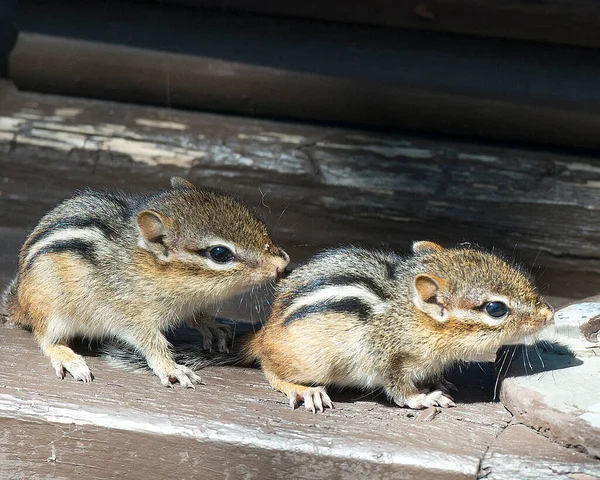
317,186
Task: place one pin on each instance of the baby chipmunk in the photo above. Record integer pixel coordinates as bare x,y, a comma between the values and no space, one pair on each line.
127,267
373,319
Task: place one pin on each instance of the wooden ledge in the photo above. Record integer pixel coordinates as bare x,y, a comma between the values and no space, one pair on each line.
235,426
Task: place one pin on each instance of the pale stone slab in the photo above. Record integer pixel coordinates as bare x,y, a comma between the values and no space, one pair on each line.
520,453
556,387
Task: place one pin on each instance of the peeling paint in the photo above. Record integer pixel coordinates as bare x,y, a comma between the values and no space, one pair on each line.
479,158
579,167
168,424
147,122
287,138
389,152
67,112
35,116
10,123
267,137
592,418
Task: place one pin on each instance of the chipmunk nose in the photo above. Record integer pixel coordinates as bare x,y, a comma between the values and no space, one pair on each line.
284,255
281,263
547,312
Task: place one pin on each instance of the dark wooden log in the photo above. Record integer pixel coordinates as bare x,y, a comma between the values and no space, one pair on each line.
317,186
303,69
560,21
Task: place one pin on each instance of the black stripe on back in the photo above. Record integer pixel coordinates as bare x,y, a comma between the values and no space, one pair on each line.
390,269
352,305
78,247
335,280
73,222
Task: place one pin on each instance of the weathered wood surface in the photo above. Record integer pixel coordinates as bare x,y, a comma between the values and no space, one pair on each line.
235,426
317,186
127,425
303,69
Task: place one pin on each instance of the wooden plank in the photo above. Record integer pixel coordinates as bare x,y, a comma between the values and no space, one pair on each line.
317,186
355,74
235,426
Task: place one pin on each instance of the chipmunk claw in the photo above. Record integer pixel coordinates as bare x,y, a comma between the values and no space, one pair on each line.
75,366
315,399
419,401
181,374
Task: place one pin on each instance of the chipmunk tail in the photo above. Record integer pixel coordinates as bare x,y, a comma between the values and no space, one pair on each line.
194,356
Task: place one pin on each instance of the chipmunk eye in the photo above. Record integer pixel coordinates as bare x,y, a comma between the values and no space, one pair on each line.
221,254
495,309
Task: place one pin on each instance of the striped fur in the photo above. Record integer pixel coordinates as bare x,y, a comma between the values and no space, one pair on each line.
107,264
361,291
374,319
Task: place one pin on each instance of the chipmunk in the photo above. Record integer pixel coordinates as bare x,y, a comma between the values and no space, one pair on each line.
373,319
107,264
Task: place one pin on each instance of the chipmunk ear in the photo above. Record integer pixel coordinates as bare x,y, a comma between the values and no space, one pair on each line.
425,246
153,225
179,182
427,288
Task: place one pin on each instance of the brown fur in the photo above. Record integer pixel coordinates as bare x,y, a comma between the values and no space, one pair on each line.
433,319
126,267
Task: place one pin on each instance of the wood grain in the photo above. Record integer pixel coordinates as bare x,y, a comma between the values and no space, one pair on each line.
127,424
316,186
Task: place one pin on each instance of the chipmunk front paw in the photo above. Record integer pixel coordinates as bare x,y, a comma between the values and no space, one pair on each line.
76,366
213,335
179,374
418,401
66,360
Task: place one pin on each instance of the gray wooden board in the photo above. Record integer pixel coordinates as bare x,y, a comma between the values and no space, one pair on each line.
128,424
316,186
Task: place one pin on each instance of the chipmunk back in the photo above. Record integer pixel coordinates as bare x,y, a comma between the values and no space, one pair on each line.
369,319
106,264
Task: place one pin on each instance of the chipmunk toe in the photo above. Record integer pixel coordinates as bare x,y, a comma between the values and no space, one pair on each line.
419,401
76,367
315,399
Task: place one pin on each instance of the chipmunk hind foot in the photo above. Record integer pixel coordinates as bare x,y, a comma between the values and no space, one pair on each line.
315,399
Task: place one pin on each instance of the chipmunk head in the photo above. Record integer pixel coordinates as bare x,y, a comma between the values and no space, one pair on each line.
207,242
476,296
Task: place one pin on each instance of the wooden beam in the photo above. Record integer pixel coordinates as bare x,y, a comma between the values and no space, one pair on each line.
317,186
